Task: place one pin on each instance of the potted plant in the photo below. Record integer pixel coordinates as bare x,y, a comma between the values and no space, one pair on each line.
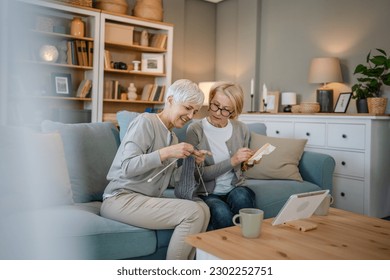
372,76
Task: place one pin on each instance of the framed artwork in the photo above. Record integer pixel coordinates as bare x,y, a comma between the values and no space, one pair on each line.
152,63
342,102
62,84
272,102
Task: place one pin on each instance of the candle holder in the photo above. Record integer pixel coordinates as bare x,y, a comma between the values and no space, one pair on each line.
265,106
252,109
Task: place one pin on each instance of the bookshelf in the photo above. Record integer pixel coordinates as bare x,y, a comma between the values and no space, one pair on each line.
119,46
34,64
42,58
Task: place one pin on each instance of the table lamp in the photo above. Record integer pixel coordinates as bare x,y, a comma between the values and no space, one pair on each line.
288,99
325,70
205,87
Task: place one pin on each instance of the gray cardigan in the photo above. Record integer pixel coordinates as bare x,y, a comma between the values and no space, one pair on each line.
138,159
240,138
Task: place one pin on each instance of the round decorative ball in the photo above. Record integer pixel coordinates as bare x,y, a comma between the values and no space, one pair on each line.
48,53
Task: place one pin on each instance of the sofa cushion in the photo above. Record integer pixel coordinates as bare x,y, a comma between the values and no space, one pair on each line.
33,170
74,232
90,149
124,118
271,195
282,163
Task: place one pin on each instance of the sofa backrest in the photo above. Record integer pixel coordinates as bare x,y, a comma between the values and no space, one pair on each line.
124,118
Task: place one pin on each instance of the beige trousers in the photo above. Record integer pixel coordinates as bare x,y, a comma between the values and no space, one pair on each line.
184,216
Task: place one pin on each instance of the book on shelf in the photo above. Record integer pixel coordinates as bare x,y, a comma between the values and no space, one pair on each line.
158,96
79,51
159,40
108,87
146,92
71,53
84,88
107,59
90,53
153,92
84,52
116,91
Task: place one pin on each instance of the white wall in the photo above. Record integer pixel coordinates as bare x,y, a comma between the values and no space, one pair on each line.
294,32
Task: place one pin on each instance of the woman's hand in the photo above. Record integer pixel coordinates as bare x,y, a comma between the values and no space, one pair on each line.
200,155
240,156
181,150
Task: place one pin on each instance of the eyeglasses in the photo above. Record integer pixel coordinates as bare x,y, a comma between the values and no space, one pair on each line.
214,107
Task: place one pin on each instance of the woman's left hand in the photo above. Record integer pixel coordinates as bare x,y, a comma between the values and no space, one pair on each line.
200,155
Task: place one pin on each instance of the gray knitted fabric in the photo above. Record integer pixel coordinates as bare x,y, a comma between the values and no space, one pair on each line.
187,185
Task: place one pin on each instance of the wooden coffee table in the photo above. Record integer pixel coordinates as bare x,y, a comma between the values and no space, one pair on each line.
339,235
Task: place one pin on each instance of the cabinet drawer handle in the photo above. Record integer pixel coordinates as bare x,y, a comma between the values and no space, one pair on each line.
342,194
343,163
307,133
344,136
277,131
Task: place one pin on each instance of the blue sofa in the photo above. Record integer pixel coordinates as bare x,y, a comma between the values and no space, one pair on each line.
68,225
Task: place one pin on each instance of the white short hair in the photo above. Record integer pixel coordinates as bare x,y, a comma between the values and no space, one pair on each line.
184,90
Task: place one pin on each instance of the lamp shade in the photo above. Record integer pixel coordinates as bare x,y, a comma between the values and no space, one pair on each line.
289,98
205,87
325,70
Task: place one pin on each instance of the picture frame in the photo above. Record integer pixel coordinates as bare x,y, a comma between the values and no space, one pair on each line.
342,102
272,102
62,84
152,63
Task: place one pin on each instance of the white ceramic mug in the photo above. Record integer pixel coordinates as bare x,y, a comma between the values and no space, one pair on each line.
323,208
250,221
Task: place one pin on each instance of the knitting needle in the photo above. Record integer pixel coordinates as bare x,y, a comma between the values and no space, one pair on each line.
151,179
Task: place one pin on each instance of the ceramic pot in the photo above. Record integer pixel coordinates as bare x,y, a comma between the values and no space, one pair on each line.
149,9
77,27
361,106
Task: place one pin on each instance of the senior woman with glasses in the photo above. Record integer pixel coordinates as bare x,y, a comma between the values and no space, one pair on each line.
227,139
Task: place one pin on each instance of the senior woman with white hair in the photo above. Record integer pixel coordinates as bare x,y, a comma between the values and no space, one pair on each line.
144,166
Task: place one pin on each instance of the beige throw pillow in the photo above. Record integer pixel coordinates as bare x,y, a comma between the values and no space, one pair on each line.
282,163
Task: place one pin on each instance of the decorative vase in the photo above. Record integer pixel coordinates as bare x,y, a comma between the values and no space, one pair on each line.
77,27
377,105
149,9
132,92
361,106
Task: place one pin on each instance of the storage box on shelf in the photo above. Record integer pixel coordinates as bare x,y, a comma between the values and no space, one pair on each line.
359,145
123,46
48,57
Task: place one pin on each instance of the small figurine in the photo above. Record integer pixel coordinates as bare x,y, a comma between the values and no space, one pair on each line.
132,92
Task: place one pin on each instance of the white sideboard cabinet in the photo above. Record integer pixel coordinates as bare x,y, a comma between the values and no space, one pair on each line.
360,145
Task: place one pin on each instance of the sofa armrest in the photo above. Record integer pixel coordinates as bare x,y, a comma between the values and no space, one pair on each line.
317,168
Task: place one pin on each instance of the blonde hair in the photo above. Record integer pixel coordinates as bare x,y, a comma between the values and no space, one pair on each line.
235,94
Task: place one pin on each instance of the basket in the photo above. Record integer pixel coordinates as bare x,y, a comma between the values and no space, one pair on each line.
84,3
115,6
309,107
295,109
377,105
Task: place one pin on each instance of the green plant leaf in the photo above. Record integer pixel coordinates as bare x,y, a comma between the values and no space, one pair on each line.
382,52
379,60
